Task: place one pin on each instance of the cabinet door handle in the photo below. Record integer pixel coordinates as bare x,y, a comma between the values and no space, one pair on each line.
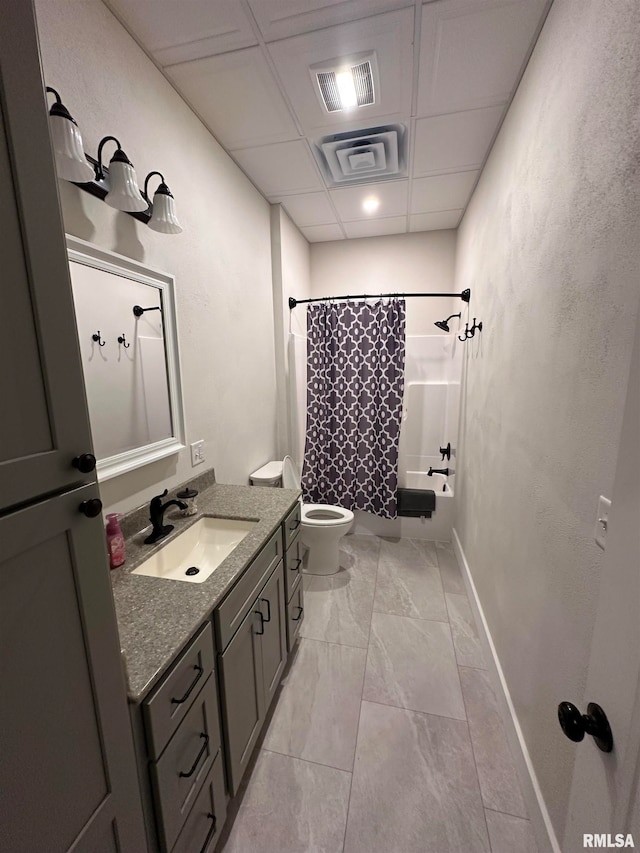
198,757
259,613
85,463
295,525
267,618
299,616
193,684
91,508
297,565
211,833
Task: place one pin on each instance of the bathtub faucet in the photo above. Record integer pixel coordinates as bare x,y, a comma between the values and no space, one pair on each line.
433,471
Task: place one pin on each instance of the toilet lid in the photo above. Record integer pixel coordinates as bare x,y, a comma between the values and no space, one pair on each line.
290,474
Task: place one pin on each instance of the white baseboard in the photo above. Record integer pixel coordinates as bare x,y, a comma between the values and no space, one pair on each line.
536,806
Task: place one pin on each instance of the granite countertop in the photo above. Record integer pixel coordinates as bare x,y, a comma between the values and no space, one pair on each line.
156,616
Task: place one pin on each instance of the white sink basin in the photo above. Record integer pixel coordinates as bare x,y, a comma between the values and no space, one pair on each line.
203,546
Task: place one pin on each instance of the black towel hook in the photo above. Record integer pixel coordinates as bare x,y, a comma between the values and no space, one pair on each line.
96,337
466,334
122,340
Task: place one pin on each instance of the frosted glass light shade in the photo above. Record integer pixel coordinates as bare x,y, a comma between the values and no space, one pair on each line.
71,164
123,187
164,217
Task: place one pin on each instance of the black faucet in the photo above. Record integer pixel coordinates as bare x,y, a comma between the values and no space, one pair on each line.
433,471
156,513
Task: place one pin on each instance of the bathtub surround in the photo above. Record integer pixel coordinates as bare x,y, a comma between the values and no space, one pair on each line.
221,261
549,246
355,382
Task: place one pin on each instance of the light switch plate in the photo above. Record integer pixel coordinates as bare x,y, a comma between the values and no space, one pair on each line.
197,453
602,522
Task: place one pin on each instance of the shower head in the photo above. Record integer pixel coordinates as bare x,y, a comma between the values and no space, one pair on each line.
444,324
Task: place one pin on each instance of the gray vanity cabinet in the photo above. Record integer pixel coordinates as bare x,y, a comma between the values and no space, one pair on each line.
293,575
254,654
67,774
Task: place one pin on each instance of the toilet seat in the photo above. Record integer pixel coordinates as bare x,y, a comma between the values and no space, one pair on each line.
325,515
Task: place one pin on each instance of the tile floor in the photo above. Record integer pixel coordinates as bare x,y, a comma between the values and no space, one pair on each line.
385,736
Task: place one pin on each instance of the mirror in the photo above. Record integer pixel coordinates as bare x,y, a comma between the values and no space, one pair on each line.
129,357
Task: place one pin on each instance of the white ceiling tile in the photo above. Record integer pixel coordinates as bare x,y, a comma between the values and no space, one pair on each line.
376,227
322,233
471,51
392,196
434,221
280,169
390,36
455,141
308,208
442,192
292,17
175,32
237,97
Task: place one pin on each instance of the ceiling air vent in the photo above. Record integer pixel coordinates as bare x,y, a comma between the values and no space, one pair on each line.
362,156
345,84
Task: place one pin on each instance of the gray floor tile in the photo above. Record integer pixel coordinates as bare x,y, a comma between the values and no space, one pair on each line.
452,580
463,630
360,555
509,834
496,769
337,608
411,664
407,585
291,806
414,788
316,717
427,548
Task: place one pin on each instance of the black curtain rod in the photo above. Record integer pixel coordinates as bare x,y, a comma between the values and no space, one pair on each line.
465,296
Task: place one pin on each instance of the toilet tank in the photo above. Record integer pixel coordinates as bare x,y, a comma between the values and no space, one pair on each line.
269,475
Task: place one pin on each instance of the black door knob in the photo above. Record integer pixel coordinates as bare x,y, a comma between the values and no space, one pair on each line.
91,508
575,725
85,463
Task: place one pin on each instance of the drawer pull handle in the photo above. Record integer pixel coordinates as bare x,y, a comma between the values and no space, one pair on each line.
211,833
198,757
296,524
259,613
267,618
193,684
297,565
299,616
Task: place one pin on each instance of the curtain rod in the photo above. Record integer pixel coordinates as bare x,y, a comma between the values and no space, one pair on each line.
465,296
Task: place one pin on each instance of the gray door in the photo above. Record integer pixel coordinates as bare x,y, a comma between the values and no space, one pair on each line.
242,696
274,639
44,423
68,776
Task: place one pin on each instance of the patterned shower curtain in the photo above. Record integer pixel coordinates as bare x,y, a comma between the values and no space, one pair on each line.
355,382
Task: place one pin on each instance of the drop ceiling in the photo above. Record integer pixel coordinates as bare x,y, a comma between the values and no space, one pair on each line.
447,70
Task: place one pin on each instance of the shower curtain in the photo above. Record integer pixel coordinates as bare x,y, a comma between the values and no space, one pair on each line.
355,382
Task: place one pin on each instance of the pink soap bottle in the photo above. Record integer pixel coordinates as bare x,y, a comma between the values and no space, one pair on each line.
115,541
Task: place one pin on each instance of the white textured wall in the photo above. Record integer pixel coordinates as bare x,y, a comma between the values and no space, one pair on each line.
550,246
421,262
222,260
291,277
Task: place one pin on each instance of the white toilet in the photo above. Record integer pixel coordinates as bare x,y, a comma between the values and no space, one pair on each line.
322,527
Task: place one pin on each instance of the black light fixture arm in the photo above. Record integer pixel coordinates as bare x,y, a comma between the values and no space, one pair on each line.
138,311
53,92
146,183
465,296
99,168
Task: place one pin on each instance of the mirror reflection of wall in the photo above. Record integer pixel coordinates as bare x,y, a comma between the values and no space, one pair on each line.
127,370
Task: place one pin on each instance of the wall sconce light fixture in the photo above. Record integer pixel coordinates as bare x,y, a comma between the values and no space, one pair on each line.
116,184
71,164
163,216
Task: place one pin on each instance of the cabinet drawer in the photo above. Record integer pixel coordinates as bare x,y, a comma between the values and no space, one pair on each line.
295,615
204,824
229,615
170,701
291,525
178,776
293,565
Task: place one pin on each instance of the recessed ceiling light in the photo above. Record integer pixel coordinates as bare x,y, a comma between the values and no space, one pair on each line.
346,89
371,204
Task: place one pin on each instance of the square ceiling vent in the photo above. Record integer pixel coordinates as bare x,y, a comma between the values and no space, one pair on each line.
348,83
361,156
